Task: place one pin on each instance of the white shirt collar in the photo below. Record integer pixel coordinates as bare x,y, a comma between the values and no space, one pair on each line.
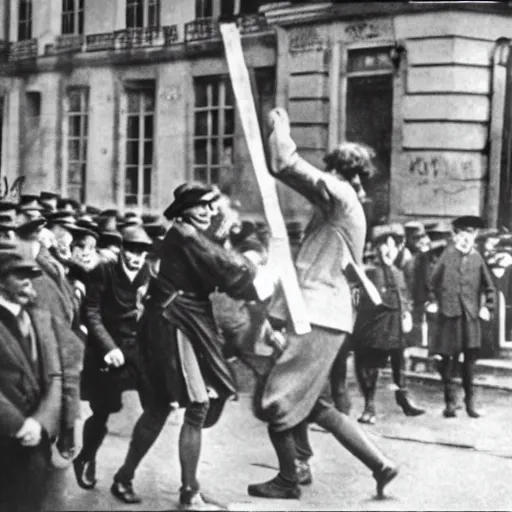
12,307
131,274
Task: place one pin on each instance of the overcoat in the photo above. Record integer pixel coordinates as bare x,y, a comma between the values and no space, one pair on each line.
461,284
28,390
380,327
111,312
191,268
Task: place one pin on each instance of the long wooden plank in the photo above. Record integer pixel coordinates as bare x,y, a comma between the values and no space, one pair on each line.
279,244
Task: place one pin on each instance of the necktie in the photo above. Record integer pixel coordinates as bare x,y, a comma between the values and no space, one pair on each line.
28,340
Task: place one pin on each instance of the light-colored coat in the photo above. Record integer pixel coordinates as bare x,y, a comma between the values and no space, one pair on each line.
338,225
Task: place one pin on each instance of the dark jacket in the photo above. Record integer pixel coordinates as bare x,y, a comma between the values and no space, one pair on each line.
24,391
461,283
380,327
196,266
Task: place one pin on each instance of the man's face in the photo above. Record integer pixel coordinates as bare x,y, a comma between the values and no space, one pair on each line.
464,239
388,250
133,257
63,239
84,252
357,185
17,287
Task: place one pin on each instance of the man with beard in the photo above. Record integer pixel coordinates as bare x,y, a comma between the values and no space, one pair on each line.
111,359
30,385
182,350
296,388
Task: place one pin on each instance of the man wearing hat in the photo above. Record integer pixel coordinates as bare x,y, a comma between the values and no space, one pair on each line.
48,201
57,299
111,362
462,294
180,338
110,239
30,387
379,330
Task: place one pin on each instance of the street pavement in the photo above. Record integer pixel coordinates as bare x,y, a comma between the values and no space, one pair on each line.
445,464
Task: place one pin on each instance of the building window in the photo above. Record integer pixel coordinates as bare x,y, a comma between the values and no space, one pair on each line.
142,13
139,146
77,118
25,20
204,8
72,16
214,127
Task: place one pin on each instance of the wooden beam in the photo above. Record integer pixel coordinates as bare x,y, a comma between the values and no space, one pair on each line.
267,186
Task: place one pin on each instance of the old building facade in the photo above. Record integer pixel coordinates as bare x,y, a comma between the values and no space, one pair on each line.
117,102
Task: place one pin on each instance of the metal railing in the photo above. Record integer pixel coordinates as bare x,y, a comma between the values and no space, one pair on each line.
208,28
68,43
22,50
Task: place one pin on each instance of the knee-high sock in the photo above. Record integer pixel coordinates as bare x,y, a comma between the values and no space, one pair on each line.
397,367
284,445
145,433
301,435
350,435
94,432
190,451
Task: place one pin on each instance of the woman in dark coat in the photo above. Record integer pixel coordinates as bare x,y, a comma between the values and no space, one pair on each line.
181,347
379,330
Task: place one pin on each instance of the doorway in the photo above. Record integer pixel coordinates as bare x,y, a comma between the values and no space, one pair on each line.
369,118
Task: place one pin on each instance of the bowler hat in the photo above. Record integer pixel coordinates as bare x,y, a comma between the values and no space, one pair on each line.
11,260
135,235
26,224
468,222
107,229
84,226
130,219
48,200
68,204
188,195
155,229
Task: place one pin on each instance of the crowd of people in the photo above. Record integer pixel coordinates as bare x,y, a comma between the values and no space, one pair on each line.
94,303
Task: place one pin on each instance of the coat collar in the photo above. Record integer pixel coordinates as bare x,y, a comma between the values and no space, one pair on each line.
140,279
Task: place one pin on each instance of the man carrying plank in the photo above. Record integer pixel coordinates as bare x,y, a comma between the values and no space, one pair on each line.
295,392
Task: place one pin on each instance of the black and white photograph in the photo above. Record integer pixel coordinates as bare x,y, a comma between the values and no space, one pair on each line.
255,256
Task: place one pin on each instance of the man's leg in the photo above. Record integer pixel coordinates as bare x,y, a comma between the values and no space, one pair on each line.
367,377
94,432
303,452
146,431
467,382
351,436
338,379
285,484
446,370
402,394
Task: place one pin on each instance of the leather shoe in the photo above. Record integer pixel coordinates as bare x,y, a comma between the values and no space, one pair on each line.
124,492
450,412
85,473
303,471
276,488
383,477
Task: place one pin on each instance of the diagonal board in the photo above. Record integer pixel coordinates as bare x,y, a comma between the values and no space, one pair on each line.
280,246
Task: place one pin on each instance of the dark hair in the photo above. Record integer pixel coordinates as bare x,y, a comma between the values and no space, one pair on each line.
349,159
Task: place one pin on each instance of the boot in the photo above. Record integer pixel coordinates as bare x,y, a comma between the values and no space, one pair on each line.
408,406
368,415
450,410
84,464
354,439
469,389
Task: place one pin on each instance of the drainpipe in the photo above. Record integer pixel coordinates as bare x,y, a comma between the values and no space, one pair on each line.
500,61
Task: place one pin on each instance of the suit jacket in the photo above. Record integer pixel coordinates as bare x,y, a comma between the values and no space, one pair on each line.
22,393
338,226
110,306
461,283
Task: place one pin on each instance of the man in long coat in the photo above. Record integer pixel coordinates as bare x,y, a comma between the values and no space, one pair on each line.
463,294
111,358
333,241
30,385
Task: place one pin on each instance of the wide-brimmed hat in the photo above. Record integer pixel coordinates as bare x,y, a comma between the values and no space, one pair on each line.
12,260
84,226
188,195
468,222
130,219
382,231
27,222
438,228
48,200
29,202
136,236
107,229
414,229
68,204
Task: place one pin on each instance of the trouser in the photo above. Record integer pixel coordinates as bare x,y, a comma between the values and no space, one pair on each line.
448,369
24,476
338,378
289,443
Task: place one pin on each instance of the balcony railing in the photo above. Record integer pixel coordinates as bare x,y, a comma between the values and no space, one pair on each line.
22,50
208,28
5,47
68,43
100,42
